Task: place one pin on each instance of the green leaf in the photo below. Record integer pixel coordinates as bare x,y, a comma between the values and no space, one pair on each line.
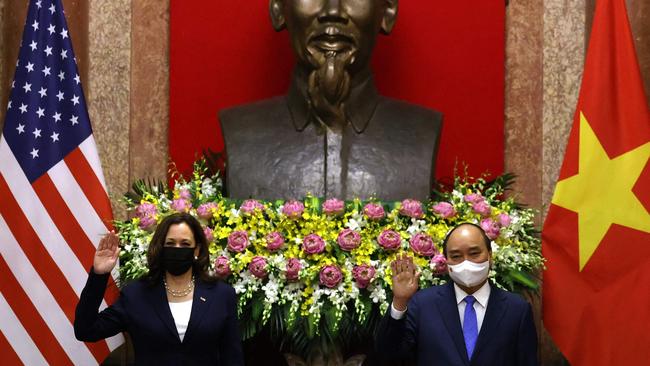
331,322
390,206
311,326
257,307
367,307
248,328
315,205
524,279
141,186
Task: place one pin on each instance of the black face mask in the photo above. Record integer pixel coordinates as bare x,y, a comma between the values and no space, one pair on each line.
177,261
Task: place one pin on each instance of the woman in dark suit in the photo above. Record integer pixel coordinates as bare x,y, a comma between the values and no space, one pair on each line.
178,314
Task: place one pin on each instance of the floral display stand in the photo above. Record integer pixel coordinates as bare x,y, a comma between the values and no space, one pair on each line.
317,272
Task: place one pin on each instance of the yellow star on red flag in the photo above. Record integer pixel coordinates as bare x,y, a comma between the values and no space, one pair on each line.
601,193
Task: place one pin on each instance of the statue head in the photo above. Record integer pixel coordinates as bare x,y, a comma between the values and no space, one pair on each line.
333,41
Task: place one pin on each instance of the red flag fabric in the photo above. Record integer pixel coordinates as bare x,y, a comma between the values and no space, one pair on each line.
596,236
53,202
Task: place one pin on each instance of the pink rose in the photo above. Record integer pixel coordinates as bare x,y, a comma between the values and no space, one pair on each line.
238,241
491,228
374,211
362,274
333,207
146,212
274,241
439,263
293,209
504,219
330,276
313,244
411,208
147,222
422,244
222,267
473,198
348,239
482,208
209,235
185,194
181,205
258,267
293,269
206,210
444,209
249,206
389,240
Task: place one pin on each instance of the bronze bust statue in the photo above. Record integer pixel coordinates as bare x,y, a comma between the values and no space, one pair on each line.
332,135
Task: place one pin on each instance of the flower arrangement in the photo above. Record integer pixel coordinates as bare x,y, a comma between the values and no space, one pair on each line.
318,266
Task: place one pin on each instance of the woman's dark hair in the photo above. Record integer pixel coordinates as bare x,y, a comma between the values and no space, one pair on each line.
154,253
486,240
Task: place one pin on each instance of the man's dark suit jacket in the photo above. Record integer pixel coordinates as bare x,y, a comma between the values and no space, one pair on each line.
431,333
212,336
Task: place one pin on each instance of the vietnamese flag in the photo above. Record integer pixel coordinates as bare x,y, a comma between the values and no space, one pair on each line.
596,237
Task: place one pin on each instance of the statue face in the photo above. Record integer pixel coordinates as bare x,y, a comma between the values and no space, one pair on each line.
321,29
333,41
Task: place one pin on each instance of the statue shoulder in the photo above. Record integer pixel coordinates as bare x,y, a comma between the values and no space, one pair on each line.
254,115
408,114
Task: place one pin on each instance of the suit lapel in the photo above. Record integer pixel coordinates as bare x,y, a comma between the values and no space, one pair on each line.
448,307
158,300
496,308
200,303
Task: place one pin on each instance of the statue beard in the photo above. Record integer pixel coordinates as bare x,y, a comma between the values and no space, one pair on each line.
329,86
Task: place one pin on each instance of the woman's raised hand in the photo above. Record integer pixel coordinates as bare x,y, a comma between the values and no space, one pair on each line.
107,253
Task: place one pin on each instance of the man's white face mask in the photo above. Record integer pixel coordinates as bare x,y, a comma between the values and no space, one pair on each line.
468,273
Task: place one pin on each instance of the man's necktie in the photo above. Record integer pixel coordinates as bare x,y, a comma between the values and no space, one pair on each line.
470,326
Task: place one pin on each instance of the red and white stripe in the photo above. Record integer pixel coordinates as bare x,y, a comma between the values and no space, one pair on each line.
49,231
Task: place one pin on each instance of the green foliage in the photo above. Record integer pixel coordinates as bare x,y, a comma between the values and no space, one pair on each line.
304,314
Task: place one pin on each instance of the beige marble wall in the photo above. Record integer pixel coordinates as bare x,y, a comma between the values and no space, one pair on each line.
129,89
108,91
564,47
149,89
523,98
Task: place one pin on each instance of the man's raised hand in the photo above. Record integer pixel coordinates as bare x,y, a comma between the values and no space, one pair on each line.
405,281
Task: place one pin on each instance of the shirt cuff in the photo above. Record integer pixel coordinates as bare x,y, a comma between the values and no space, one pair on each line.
396,314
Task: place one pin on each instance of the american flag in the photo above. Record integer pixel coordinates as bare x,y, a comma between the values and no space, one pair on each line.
53,202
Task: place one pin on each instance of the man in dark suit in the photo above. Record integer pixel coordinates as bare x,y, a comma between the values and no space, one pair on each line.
333,135
466,322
